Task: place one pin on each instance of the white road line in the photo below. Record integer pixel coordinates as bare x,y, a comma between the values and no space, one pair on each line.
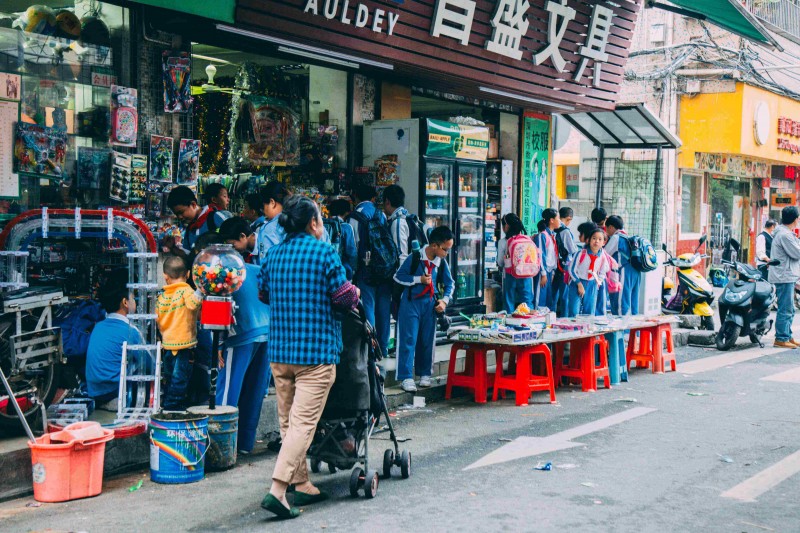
719,361
789,376
530,446
749,490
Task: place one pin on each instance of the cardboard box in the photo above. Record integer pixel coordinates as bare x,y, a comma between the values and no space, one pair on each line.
494,148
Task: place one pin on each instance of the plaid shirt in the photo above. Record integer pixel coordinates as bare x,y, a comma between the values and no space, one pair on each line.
300,276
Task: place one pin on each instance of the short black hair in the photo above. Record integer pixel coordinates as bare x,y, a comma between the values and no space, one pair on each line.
585,229
339,207
364,192
440,235
566,212
541,225
253,201
175,267
180,195
789,214
548,215
275,190
212,190
114,289
395,195
599,215
233,227
770,223
615,221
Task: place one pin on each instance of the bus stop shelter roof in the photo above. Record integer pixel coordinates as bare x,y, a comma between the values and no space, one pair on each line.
628,126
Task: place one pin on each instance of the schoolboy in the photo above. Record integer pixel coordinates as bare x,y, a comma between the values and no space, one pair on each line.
618,247
238,233
198,220
177,308
348,252
565,244
216,195
416,322
273,195
253,211
104,353
403,226
546,243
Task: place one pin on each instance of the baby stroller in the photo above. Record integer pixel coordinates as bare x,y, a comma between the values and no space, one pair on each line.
355,404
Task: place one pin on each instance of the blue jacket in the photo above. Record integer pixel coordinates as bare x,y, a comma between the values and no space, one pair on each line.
269,234
104,355
404,276
350,258
252,316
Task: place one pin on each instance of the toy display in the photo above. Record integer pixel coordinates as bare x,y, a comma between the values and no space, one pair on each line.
160,158
188,161
387,170
68,25
37,19
277,132
138,177
39,150
177,74
124,117
93,166
120,185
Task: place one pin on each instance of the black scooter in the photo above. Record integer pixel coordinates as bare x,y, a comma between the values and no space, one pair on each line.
745,303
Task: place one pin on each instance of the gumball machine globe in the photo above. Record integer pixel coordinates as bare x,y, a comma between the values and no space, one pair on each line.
218,270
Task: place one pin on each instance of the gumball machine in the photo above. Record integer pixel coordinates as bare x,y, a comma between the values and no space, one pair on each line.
218,271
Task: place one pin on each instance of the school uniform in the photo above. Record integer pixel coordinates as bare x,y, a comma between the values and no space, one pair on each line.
627,300
515,290
546,243
590,270
416,319
349,251
377,299
209,220
269,234
564,241
602,292
245,372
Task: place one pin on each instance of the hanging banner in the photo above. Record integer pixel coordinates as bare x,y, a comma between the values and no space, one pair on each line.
535,181
446,139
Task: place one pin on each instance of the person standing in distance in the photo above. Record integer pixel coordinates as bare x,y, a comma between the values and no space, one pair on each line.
786,249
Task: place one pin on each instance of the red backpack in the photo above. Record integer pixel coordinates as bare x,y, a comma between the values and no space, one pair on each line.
522,257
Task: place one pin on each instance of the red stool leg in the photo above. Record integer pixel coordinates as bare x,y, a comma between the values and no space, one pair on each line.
545,351
451,370
522,392
481,378
498,371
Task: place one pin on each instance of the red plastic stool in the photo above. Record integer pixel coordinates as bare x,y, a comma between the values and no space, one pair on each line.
523,380
647,349
475,375
582,363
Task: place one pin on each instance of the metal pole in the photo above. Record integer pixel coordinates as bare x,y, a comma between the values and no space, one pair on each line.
601,159
13,400
657,197
213,371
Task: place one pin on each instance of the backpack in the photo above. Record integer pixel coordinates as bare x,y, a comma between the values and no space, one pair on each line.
563,254
643,256
378,257
416,231
334,228
523,256
398,288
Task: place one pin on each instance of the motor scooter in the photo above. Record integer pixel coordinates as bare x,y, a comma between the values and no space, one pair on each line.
744,305
694,294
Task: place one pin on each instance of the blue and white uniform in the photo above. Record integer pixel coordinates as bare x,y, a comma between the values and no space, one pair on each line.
590,270
515,290
269,234
416,319
627,300
546,243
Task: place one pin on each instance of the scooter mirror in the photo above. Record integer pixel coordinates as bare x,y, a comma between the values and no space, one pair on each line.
664,246
703,239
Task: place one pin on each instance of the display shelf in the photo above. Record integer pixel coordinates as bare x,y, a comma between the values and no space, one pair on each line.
468,210
437,212
470,236
437,192
467,262
471,194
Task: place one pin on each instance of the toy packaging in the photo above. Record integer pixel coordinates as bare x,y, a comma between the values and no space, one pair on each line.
160,158
120,185
188,161
177,74
39,150
138,178
93,166
124,117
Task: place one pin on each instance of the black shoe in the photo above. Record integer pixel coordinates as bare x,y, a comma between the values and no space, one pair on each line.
274,505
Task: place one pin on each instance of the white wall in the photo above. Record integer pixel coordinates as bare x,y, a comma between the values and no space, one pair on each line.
328,90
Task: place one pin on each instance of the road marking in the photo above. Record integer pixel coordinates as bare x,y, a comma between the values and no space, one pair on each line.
789,376
530,446
720,361
749,490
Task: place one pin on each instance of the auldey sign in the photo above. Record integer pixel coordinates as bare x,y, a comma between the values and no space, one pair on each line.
359,15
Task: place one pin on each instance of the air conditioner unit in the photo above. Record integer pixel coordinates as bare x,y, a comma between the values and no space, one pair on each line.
693,86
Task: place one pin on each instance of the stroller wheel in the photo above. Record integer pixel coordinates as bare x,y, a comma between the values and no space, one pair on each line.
388,462
405,464
371,484
316,465
356,479
331,468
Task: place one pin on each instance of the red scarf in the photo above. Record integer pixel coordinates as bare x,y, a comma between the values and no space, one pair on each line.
592,259
201,220
428,290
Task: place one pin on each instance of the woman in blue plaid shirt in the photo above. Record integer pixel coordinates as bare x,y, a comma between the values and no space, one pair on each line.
303,280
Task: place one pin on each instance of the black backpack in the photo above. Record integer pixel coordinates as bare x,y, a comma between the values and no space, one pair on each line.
563,254
334,228
398,288
378,257
416,232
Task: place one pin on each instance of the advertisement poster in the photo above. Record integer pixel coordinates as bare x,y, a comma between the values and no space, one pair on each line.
10,86
160,158
188,161
9,181
446,139
177,73
138,177
535,193
93,166
40,150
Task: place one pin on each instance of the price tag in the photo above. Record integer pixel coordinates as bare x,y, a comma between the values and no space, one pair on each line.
45,222
77,222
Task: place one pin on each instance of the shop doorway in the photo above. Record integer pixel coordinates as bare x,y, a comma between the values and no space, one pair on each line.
730,209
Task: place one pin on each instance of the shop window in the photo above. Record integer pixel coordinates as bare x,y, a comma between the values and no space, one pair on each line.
691,202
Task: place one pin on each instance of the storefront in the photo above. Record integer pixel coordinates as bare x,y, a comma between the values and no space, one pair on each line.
737,166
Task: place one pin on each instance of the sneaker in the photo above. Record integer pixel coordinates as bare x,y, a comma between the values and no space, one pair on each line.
408,385
785,344
425,382
795,342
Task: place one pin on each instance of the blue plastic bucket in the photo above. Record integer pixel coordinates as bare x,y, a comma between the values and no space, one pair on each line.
178,445
223,430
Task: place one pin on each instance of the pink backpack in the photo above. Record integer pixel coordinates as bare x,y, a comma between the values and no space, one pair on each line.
522,257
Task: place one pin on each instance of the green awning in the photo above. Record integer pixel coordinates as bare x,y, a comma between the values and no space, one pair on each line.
727,14
219,10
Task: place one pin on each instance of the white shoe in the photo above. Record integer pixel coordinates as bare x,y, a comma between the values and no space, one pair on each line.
425,382
408,385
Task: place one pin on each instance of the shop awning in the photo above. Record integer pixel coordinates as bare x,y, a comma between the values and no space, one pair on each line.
727,14
628,126
219,10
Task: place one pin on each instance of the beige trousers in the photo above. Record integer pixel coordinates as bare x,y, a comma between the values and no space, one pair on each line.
302,391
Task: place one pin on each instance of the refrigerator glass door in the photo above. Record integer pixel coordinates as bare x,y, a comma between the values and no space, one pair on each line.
469,225
438,193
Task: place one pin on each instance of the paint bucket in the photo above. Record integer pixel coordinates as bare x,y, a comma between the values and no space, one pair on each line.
223,430
178,445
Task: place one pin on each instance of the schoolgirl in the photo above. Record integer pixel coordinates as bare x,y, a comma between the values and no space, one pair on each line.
588,272
515,290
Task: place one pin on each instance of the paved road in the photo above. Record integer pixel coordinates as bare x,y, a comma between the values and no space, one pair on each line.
664,470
